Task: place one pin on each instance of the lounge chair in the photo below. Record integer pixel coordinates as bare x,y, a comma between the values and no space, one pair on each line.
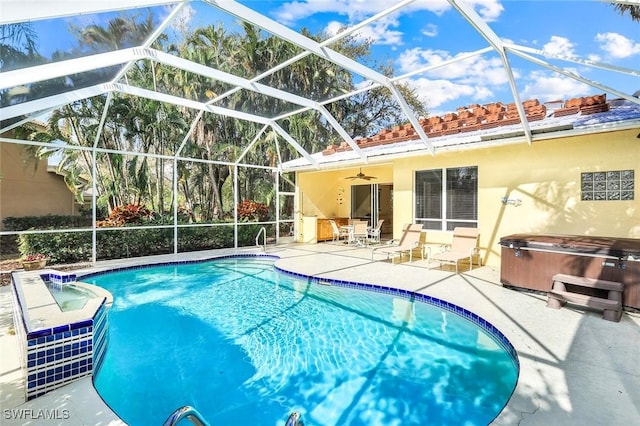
408,242
464,246
374,233
337,232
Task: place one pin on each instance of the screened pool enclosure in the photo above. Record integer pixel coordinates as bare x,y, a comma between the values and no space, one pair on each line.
190,108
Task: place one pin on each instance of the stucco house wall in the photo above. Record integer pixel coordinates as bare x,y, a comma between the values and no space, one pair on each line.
545,176
26,190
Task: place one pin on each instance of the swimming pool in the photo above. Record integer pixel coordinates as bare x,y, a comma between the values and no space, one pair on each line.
246,344
70,297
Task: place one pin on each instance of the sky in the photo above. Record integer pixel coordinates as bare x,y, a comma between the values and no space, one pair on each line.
431,31
428,32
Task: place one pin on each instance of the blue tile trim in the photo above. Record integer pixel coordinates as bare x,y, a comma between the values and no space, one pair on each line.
60,328
39,333
81,324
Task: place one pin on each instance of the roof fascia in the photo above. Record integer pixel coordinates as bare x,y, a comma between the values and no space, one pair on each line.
514,140
16,11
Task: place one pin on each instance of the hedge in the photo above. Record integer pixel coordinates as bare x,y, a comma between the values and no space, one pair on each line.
72,247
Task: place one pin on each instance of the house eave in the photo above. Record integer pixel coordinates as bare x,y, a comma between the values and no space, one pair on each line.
457,143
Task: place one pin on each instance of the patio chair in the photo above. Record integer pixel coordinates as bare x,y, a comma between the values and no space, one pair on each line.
360,234
374,233
338,232
408,242
464,246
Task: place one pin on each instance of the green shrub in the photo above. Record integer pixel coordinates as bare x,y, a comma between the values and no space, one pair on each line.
205,238
46,222
59,247
123,243
119,243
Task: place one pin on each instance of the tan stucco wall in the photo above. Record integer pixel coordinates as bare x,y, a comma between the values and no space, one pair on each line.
545,176
320,192
29,191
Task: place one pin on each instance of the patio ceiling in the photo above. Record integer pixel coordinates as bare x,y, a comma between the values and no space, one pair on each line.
18,11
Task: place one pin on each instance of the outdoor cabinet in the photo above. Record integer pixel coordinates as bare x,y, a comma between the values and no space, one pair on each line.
325,230
529,261
308,230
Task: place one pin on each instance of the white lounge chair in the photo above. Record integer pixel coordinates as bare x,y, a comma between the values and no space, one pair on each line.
464,246
408,242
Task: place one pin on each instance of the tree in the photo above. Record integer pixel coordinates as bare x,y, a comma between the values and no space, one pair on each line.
632,9
147,126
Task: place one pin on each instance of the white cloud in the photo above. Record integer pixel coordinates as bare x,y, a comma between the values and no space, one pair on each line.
594,57
489,10
477,70
434,93
430,30
355,10
560,46
477,77
617,46
380,32
548,87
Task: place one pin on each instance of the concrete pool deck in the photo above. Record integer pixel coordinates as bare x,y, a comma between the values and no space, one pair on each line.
575,367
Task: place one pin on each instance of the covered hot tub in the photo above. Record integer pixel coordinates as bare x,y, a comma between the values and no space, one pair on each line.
530,260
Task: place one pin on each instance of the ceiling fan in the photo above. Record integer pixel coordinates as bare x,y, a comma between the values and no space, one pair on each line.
361,176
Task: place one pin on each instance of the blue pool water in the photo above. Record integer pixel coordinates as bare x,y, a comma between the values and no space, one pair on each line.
246,345
70,297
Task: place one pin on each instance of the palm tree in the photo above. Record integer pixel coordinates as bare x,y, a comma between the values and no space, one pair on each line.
632,9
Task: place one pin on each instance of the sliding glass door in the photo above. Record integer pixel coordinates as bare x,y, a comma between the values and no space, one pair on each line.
371,202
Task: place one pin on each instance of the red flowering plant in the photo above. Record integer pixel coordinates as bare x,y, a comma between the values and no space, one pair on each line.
129,214
252,211
34,257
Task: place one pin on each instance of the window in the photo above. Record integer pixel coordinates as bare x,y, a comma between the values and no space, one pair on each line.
444,203
612,185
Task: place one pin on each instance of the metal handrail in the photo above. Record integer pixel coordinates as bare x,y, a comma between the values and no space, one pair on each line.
294,420
263,231
187,412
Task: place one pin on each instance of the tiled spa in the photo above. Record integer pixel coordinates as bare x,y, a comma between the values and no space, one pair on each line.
62,327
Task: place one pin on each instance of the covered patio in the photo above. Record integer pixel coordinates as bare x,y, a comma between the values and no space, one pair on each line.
569,358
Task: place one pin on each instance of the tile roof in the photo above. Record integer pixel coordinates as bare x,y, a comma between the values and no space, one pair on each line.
478,125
